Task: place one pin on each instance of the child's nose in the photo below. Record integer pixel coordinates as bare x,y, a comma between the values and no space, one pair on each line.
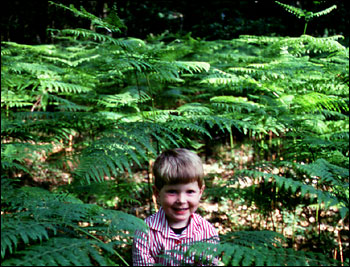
181,198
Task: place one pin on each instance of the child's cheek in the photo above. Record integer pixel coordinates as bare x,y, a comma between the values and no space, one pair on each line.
170,199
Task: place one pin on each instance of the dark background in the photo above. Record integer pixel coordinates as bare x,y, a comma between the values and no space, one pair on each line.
27,21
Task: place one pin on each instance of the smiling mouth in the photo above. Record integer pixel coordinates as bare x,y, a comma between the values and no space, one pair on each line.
175,208
180,210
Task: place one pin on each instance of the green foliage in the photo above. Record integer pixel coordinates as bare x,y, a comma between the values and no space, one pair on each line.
331,188
40,227
305,14
113,23
98,109
257,248
253,248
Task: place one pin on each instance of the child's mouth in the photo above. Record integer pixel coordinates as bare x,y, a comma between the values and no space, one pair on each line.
180,210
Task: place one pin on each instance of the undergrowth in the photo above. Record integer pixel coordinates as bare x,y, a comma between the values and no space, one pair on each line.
92,109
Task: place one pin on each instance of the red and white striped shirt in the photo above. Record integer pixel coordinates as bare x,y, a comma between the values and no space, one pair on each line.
160,243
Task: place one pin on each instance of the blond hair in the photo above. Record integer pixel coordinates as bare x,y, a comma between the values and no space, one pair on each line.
177,166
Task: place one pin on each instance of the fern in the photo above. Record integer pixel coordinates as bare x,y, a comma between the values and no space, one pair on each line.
59,245
243,248
25,232
318,169
56,86
111,26
66,104
317,101
114,152
221,78
128,44
306,15
258,249
63,251
97,108
57,222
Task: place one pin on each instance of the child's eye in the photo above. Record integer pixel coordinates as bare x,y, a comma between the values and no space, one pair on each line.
191,192
171,191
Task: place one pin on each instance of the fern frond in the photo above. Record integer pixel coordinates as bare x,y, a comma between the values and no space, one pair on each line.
60,251
231,103
331,175
31,68
96,21
129,98
255,249
221,78
27,232
59,86
66,105
306,44
305,190
14,155
194,108
298,12
325,11
308,15
45,225
128,44
327,172
35,49
317,101
225,122
11,99
192,66
190,125
259,39
69,62
119,149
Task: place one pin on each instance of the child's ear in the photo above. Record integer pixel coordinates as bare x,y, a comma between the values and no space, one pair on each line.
202,190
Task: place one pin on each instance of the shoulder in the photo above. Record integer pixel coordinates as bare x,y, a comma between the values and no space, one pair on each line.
198,219
156,221
203,225
151,218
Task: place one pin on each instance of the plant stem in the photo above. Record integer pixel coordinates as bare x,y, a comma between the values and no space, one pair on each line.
340,249
152,99
305,27
231,144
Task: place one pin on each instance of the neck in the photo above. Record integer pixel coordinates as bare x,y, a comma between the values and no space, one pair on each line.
176,225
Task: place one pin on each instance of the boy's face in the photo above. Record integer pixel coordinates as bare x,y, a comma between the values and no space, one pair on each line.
179,201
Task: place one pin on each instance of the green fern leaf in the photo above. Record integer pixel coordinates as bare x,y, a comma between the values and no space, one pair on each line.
96,21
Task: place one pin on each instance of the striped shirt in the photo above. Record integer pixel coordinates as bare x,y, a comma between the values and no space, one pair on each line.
160,245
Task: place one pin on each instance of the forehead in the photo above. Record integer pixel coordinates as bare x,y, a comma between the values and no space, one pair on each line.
191,185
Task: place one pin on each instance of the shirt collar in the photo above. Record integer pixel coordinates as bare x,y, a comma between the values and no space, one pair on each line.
160,223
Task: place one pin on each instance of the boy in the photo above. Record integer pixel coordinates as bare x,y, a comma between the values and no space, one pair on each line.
178,186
